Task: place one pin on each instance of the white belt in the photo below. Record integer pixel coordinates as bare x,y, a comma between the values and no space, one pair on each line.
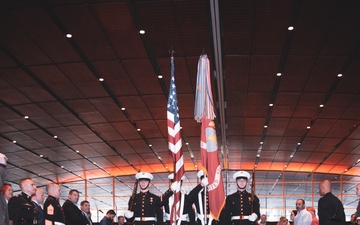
239,217
201,216
145,219
184,217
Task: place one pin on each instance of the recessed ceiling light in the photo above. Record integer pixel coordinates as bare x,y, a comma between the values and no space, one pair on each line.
261,142
138,129
271,104
14,142
291,28
257,155
69,35
160,76
159,157
55,136
123,109
339,75
101,79
26,117
94,163
107,172
278,74
285,166
187,143
291,156
41,156
265,126
77,151
62,167
142,31
150,145
308,127
299,143
321,105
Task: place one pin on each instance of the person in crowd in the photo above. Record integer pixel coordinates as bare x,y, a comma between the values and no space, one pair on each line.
293,215
197,196
357,191
53,213
303,217
121,220
353,219
262,220
85,210
240,207
108,218
73,215
330,208
21,209
145,207
7,191
38,200
283,221
188,215
4,215
314,220
358,221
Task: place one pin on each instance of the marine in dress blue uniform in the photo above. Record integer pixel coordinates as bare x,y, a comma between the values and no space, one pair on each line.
240,208
21,209
188,215
199,196
53,213
146,207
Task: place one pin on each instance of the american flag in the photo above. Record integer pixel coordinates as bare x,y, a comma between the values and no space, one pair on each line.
175,142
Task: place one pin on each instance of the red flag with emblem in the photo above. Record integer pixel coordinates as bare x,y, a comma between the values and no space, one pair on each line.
204,113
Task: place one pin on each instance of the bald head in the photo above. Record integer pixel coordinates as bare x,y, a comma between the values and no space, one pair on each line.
38,196
324,187
53,190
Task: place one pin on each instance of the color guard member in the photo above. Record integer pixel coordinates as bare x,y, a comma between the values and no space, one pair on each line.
240,208
146,207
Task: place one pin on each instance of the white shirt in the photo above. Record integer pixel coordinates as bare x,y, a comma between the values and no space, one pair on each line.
303,217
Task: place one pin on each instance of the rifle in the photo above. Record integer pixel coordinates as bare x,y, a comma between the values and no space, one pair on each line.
252,191
133,195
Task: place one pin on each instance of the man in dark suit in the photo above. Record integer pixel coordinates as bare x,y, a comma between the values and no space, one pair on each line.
53,212
108,218
330,208
85,210
21,209
38,199
357,191
73,215
4,216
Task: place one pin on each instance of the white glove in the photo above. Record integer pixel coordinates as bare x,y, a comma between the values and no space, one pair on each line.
3,159
204,181
253,217
128,214
175,187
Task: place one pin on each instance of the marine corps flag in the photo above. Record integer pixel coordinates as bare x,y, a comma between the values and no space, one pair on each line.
204,113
